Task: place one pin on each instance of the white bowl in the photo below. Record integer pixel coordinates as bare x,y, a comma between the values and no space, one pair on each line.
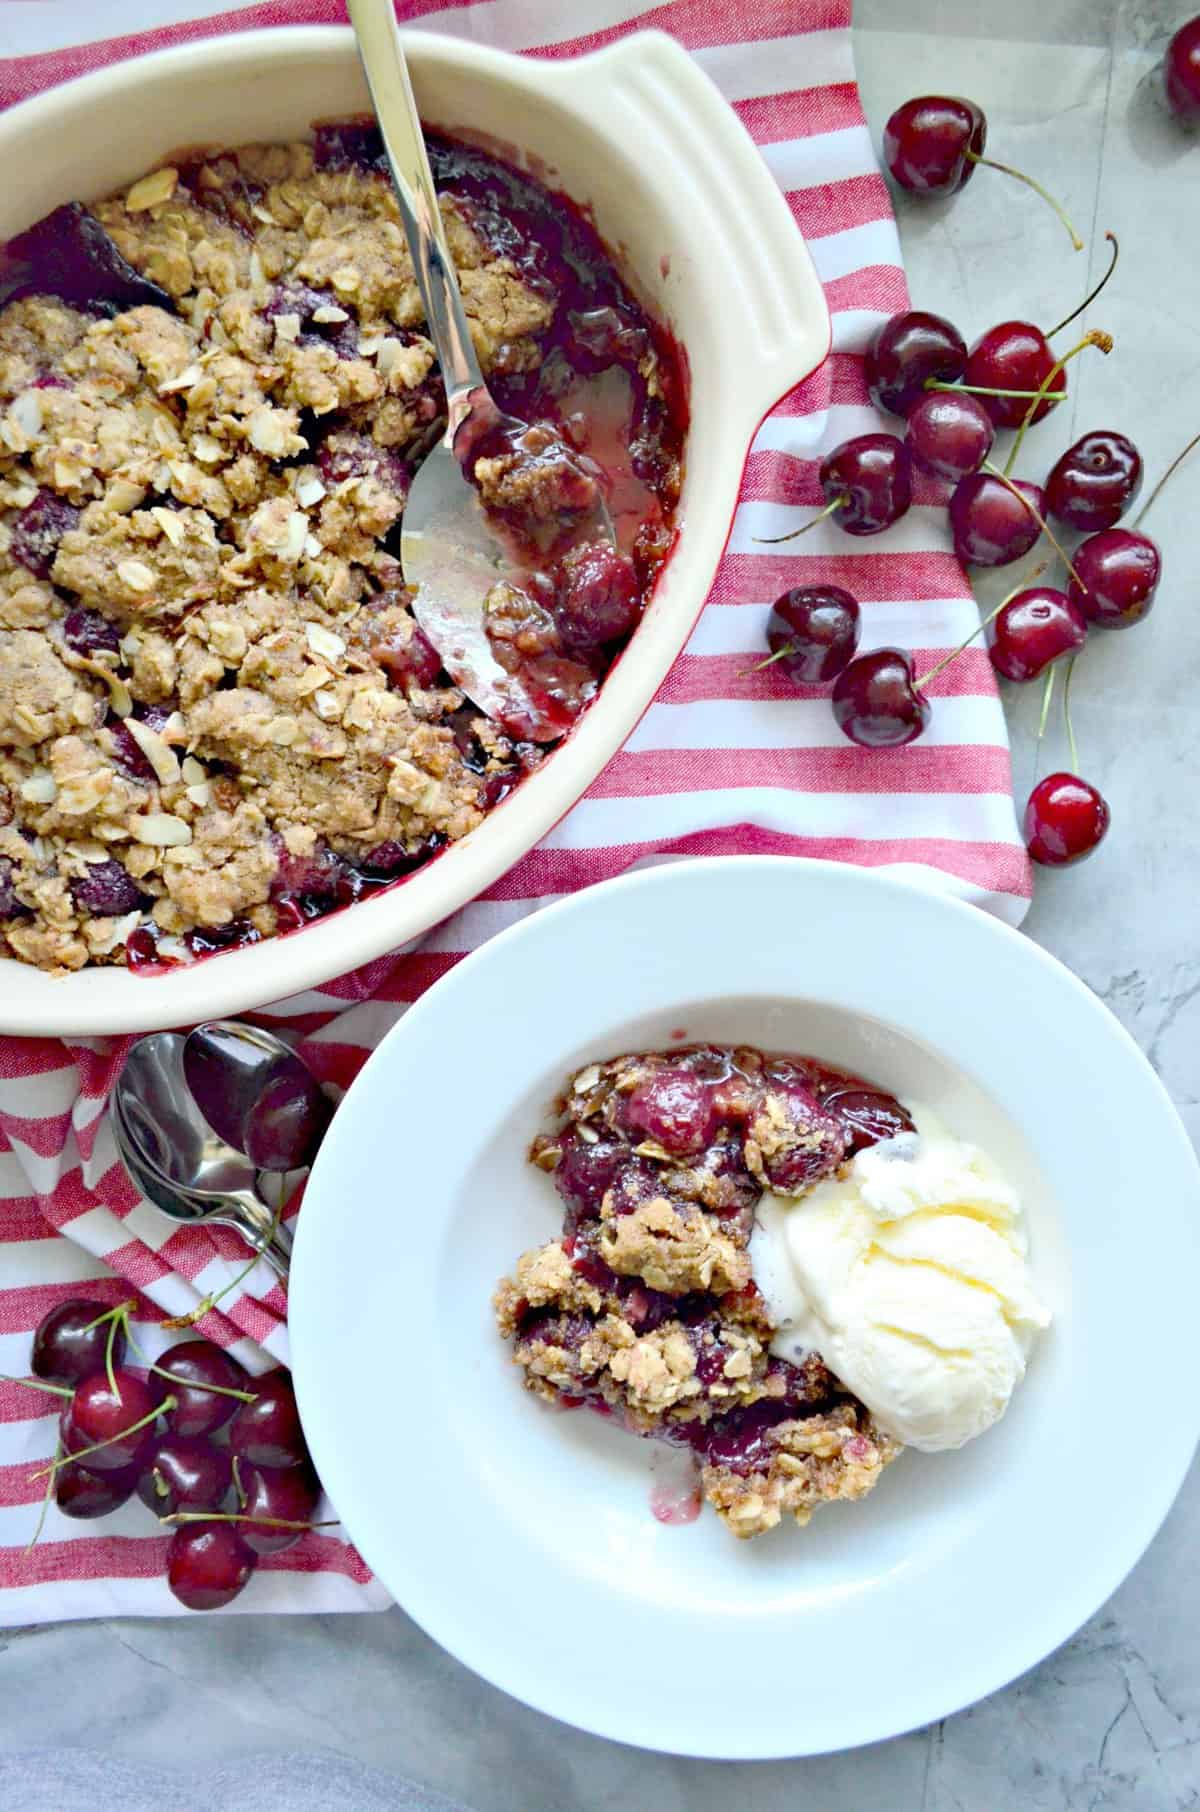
522,1540
636,132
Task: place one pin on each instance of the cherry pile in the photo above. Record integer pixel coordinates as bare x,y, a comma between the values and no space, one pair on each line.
954,400
218,1456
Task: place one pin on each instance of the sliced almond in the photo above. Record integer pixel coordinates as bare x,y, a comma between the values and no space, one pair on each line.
200,794
26,411
123,495
162,759
161,830
193,771
309,490
136,576
168,521
151,191
287,327
183,380
297,535
40,789
329,314
323,642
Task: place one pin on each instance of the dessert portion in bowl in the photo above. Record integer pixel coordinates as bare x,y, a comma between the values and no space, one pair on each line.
218,717
775,1266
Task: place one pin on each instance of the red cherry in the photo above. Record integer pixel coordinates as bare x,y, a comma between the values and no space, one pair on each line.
183,1474
908,350
1034,628
991,526
86,1495
1181,73
1095,481
1065,819
68,1346
812,632
1120,570
192,1365
267,1431
282,1494
870,479
876,703
1015,355
930,144
950,434
208,1564
97,1416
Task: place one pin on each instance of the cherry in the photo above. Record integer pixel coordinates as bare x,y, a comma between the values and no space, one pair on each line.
1118,573
931,144
287,1494
876,702
1181,73
1095,481
192,1364
673,1107
70,1342
866,1116
1065,819
84,1495
909,350
267,1431
118,1424
1015,355
950,433
271,1108
812,632
991,525
868,482
1034,628
208,1564
185,1475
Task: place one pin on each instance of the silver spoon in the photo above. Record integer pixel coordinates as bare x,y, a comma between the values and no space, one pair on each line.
450,551
176,1159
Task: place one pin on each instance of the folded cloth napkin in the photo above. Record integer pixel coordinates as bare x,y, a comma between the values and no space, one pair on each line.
728,761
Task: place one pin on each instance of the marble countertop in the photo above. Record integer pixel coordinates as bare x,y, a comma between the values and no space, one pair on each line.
1110,1723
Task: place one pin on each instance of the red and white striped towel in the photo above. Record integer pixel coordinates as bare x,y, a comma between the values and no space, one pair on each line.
727,761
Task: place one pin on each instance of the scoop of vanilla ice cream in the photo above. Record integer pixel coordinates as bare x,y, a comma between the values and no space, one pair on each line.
908,1276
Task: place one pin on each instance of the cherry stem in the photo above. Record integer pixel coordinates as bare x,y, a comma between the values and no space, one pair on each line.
788,648
1177,461
1092,294
120,1319
774,540
1060,550
47,1494
152,1415
1045,194
209,1302
1093,338
955,652
55,1390
1055,396
217,1390
1067,715
1047,695
122,1309
233,1516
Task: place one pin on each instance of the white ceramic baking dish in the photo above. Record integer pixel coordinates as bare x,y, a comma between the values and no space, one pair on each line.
635,131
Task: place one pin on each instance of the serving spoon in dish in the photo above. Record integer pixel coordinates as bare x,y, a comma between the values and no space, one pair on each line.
452,551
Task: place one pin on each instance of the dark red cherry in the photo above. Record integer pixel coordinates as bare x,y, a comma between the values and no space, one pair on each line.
208,1564
990,525
1016,355
1120,570
85,1495
1034,628
1095,481
68,1346
908,350
875,701
1181,73
185,1475
1064,820
871,477
930,143
192,1365
287,1494
267,1432
813,631
950,434
97,1416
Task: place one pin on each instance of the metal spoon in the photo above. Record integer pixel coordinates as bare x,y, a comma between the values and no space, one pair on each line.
176,1159
449,549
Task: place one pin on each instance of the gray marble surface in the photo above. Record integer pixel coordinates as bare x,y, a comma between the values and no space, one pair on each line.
1111,1723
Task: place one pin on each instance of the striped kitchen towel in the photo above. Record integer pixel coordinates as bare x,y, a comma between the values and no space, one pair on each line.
728,760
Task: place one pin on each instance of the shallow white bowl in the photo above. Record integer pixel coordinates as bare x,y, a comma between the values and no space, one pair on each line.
635,131
522,1540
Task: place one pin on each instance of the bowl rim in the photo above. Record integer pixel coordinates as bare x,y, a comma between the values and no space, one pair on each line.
104,999
322,1368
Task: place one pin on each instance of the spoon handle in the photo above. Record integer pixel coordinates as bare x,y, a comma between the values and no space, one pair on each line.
383,59
258,1225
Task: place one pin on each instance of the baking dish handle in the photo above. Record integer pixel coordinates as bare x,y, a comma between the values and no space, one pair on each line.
646,91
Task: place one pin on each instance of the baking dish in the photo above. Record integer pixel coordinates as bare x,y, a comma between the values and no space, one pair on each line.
637,133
